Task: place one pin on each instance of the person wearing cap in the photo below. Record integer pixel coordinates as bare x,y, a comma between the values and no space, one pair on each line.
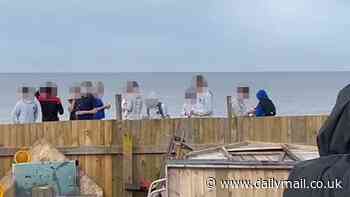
27,109
241,103
204,103
155,109
132,102
50,104
98,94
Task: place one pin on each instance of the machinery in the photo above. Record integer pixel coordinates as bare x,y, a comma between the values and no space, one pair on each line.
54,178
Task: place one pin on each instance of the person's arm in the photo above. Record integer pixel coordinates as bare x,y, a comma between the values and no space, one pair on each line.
39,111
93,111
259,111
60,108
16,113
71,106
36,112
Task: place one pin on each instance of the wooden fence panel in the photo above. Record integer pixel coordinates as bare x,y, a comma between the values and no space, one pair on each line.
150,141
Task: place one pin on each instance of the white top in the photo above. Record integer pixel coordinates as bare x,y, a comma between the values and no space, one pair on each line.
241,107
26,111
132,108
204,104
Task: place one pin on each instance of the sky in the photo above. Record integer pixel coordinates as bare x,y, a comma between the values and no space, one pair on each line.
174,36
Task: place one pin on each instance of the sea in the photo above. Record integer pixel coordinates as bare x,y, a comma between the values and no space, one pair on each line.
294,93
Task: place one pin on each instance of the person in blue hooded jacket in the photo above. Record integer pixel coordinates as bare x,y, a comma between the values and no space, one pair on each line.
265,106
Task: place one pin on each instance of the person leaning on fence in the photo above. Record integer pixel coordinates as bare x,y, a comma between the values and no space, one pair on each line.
74,96
27,109
204,103
155,109
132,102
98,94
241,103
265,106
86,104
190,101
50,103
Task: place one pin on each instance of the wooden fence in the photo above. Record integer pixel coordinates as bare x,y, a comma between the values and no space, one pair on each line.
99,145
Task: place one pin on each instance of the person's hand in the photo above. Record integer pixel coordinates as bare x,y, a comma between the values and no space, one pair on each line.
108,106
94,111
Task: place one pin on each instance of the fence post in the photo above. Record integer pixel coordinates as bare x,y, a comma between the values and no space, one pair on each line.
127,163
228,135
118,107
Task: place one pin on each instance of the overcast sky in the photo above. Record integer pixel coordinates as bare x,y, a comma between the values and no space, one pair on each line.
173,35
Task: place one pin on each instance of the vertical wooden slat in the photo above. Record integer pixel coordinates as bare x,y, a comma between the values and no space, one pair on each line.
118,107
127,162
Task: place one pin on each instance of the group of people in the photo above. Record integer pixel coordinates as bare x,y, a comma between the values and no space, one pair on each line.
133,104
242,105
85,102
199,101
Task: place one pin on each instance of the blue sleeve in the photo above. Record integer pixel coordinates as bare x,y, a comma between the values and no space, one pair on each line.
98,103
259,111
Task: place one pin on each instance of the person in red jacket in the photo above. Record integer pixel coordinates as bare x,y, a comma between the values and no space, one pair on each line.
51,105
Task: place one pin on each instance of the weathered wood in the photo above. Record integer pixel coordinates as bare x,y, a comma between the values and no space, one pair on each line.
127,163
98,145
118,107
228,137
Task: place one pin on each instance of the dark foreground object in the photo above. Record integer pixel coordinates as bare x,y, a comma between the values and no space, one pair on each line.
324,177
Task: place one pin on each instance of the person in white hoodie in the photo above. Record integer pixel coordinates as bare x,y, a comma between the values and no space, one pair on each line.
204,104
132,102
155,108
190,102
27,109
241,104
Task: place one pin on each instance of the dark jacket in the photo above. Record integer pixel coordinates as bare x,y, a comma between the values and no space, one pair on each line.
50,107
265,106
334,147
86,103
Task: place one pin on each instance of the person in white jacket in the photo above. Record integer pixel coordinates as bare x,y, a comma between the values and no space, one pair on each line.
132,102
241,103
204,103
190,102
27,109
155,108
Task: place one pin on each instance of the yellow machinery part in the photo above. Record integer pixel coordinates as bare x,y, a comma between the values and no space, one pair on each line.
22,156
2,191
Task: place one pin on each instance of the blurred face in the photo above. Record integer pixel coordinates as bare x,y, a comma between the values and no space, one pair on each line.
243,92
246,95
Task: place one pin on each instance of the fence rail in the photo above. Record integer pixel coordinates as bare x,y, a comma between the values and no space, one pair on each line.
98,145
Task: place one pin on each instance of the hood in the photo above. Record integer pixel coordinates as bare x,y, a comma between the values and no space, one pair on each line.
261,95
334,136
28,101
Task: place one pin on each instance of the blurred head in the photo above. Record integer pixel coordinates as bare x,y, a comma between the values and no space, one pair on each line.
200,83
26,92
261,95
74,92
132,87
48,89
99,89
243,92
86,88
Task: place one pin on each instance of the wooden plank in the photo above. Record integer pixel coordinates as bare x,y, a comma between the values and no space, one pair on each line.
228,136
118,107
127,163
